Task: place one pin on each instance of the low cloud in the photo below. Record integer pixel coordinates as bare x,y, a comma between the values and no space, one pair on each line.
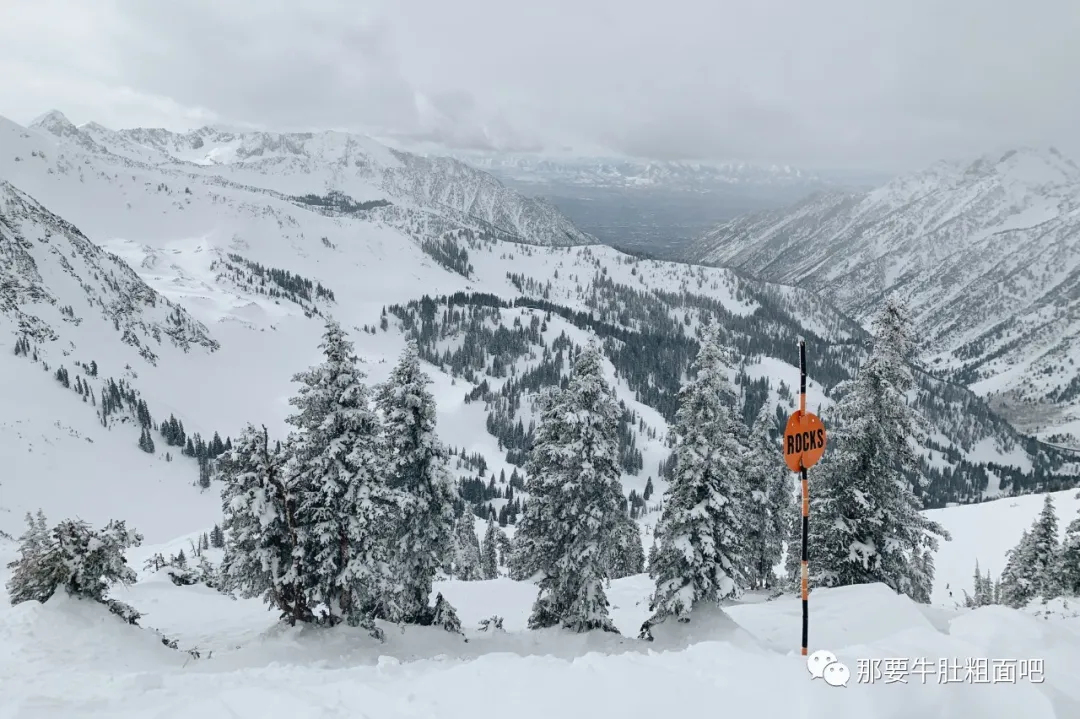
835,83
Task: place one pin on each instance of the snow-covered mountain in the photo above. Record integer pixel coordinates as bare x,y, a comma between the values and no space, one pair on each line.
988,254
656,207
187,275
315,163
53,275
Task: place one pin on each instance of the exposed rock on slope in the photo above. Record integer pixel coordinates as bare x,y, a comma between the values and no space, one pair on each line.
50,272
987,253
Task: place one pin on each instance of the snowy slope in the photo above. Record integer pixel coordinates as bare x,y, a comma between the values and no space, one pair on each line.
179,270
53,274
987,253
247,666
289,164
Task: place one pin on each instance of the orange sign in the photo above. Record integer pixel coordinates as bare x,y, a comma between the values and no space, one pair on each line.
804,441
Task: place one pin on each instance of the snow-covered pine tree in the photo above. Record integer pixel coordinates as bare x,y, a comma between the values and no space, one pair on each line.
489,555
263,556
1046,553
983,593
772,507
84,561
865,520
467,559
1018,580
217,538
504,545
443,615
573,515
922,574
146,442
627,555
346,513
701,532
27,581
533,536
651,557
793,555
418,474
1070,560
1034,566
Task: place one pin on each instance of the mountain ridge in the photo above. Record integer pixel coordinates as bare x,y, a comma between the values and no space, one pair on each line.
260,260
338,160
987,253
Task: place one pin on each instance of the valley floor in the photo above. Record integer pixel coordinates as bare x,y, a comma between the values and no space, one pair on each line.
71,659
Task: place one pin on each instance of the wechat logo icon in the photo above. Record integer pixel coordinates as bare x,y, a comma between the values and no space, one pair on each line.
823,664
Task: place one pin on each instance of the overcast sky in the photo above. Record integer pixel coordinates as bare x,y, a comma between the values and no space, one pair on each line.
879,84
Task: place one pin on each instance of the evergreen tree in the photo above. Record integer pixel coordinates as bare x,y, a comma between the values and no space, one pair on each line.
572,518
866,524
263,556
627,554
418,473
505,547
1033,566
204,472
983,593
793,556
146,442
489,559
217,537
1070,559
772,503
27,583
653,555
443,615
1018,581
345,511
467,559
701,533
84,561
1046,553
922,575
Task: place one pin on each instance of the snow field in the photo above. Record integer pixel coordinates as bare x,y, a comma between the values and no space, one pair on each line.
70,658
744,659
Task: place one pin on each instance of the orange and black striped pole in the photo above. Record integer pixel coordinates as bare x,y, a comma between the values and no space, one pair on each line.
805,510
804,445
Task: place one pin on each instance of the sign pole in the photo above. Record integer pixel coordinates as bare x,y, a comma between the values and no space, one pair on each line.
805,510
804,445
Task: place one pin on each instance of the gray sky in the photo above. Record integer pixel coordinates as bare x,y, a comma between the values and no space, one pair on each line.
881,84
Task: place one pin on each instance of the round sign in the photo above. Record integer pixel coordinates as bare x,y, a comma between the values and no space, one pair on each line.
804,440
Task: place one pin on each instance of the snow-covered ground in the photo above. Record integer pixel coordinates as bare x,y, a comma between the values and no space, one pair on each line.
68,658
71,658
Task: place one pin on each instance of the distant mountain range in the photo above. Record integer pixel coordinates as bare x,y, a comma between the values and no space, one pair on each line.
656,206
352,164
987,253
146,275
